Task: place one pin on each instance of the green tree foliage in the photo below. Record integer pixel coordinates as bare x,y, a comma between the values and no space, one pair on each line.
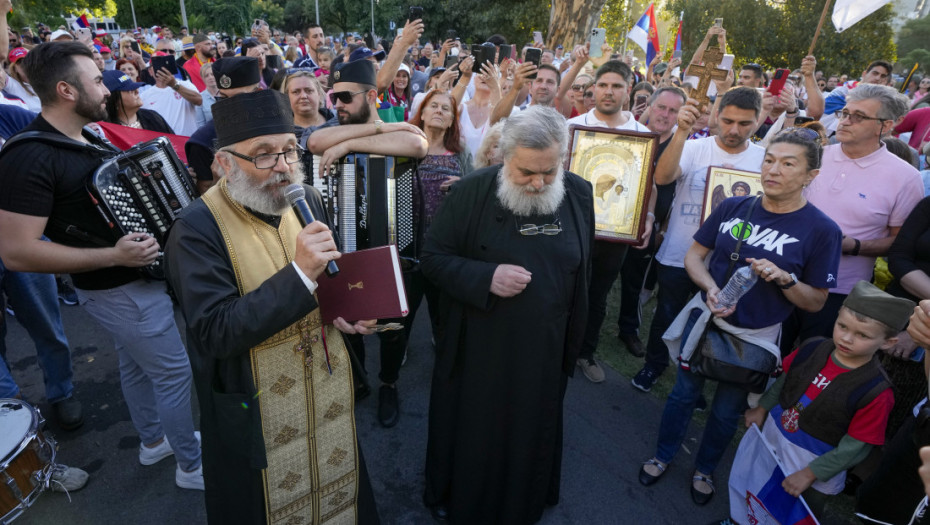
779,34
148,12
913,46
50,12
270,11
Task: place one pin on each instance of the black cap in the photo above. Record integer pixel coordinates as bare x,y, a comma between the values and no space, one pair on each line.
236,72
359,71
252,115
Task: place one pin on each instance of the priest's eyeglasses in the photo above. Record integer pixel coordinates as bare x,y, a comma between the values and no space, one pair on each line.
269,160
545,229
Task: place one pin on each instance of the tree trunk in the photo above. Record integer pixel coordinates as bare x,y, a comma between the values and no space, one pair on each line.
570,22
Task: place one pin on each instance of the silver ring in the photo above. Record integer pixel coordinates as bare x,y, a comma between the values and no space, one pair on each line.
768,270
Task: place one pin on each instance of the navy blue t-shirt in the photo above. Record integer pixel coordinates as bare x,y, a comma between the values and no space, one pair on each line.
805,242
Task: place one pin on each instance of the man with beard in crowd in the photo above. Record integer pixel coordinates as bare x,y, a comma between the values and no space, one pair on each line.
315,42
274,383
357,129
233,76
44,191
510,251
203,54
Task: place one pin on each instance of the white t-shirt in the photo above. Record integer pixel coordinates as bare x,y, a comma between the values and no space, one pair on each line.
13,87
180,114
685,217
590,119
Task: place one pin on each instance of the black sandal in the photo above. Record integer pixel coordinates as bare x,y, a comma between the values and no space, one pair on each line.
702,498
648,479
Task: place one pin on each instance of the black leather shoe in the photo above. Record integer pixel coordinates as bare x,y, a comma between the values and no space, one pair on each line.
633,344
361,392
702,498
440,513
648,479
388,407
69,413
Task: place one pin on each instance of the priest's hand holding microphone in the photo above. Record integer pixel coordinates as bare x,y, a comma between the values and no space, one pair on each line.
317,252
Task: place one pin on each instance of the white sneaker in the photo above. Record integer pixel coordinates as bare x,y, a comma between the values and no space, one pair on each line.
151,456
189,480
67,479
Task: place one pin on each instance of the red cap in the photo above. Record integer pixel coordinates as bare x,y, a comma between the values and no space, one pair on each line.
16,54
105,49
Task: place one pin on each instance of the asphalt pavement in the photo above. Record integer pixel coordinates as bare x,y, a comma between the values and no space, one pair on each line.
610,429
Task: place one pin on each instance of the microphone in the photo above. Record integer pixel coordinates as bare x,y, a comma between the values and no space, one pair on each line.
296,195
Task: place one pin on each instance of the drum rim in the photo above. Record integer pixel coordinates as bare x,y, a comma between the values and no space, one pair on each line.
27,438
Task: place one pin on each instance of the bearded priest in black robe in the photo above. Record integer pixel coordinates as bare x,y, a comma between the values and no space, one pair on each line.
510,250
274,383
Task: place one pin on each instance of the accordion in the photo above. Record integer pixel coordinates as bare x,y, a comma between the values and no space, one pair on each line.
370,200
142,190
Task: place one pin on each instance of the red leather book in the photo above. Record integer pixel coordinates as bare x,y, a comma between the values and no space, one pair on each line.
369,285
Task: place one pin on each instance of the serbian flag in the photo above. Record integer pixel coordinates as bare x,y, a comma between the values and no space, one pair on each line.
756,494
646,33
677,48
848,12
124,137
80,22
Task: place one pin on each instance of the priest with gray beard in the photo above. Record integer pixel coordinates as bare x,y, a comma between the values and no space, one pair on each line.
510,250
273,382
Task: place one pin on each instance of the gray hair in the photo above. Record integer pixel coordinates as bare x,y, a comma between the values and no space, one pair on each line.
536,127
894,105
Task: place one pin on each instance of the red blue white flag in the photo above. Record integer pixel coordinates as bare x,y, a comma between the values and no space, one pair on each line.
80,22
646,33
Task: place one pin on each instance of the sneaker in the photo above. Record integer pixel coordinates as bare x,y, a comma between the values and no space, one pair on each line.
67,479
69,413
189,480
151,456
645,379
66,293
591,369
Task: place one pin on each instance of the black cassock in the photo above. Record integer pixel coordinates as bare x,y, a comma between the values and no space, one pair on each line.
495,418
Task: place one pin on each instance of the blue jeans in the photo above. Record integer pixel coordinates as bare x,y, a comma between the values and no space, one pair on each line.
728,404
675,290
155,373
34,297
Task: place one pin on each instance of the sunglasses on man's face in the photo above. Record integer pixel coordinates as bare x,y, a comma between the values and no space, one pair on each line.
345,97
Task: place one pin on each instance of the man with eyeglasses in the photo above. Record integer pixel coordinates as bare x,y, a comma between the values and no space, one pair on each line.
233,76
44,182
878,72
510,251
867,190
356,128
274,384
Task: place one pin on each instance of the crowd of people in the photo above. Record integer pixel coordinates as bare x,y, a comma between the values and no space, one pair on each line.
509,255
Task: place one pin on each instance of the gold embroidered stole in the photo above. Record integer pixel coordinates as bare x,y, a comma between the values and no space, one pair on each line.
307,419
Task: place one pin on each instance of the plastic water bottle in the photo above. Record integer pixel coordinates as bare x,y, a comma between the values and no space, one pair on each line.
740,283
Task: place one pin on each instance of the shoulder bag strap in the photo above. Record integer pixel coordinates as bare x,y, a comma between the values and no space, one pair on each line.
739,242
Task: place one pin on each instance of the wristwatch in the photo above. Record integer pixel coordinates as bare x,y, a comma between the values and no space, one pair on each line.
378,124
792,282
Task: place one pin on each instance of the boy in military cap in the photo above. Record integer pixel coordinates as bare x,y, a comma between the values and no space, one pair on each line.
831,406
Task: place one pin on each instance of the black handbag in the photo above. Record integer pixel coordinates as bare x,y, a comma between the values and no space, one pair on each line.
723,357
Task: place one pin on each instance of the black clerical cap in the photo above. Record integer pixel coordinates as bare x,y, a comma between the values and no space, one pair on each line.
360,72
250,115
236,72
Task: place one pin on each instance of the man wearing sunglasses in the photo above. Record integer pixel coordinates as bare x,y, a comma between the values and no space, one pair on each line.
274,383
357,129
233,76
867,190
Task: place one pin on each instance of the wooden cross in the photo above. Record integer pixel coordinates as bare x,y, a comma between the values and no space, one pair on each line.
706,73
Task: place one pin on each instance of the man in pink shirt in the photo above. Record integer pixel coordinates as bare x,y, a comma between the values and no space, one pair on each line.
866,190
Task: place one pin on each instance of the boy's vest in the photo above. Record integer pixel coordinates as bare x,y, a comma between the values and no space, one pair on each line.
828,417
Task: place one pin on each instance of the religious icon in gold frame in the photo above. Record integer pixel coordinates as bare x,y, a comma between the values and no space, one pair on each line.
723,183
618,164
